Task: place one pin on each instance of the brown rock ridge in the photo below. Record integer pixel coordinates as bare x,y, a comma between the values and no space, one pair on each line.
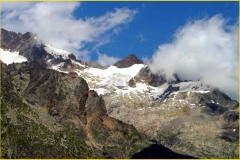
128,61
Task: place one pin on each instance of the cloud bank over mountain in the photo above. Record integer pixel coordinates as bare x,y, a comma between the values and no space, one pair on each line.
205,49
55,23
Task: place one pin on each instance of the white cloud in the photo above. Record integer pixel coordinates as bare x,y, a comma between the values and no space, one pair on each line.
146,60
84,55
15,6
205,49
106,60
55,24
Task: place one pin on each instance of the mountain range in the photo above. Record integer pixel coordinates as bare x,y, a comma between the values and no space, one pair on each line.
56,106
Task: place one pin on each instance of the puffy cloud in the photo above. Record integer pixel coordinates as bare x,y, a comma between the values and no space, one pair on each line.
146,60
14,6
55,24
205,49
106,60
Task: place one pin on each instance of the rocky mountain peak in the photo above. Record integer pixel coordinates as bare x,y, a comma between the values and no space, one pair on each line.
145,75
32,48
128,61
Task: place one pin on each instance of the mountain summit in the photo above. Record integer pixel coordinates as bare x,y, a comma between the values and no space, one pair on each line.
128,61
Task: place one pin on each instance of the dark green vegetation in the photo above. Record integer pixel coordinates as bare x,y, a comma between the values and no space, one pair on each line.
58,118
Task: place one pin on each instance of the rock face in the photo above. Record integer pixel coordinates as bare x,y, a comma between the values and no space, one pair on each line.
29,46
189,122
25,44
94,65
128,61
58,102
147,77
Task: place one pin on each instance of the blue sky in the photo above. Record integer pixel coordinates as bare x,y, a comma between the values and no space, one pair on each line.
154,24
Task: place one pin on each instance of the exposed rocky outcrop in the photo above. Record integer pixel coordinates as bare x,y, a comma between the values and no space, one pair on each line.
146,76
132,83
200,124
30,132
128,61
31,47
25,44
95,65
69,102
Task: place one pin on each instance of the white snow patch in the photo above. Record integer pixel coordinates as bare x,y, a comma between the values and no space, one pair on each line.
192,87
112,72
77,63
157,91
11,57
79,72
183,101
200,91
49,60
117,79
101,91
56,67
57,53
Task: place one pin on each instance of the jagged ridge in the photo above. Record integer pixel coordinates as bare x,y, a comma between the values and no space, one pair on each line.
128,61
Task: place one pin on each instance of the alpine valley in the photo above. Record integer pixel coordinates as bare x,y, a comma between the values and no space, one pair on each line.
56,106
